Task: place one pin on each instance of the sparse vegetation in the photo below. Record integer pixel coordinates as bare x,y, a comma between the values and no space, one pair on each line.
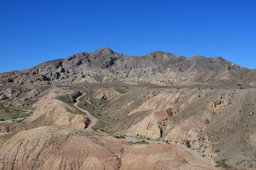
222,163
141,137
121,89
187,143
118,136
229,101
10,111
141,142
217,150
70,98
168,142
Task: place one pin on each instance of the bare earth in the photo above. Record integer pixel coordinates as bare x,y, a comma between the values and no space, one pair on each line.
108,110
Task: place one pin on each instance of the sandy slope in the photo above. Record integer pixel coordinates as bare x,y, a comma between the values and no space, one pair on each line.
60,148
51,111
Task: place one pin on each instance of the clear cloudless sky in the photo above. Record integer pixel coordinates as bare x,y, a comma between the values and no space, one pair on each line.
34,31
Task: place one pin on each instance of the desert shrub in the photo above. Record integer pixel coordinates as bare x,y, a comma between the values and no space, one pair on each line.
222,163
217,150
119,136
187,143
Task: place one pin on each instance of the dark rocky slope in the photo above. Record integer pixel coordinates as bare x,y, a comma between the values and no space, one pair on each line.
105,65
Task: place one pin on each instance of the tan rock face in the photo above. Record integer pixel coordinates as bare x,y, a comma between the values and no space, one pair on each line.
219,104
185,130
150,126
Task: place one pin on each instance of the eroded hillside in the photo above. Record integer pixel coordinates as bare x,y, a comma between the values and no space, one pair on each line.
150,120
107,110
106,66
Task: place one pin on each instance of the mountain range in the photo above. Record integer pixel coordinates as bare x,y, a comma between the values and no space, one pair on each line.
160,68
108,110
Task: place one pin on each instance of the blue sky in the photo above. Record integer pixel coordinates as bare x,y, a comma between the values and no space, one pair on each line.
34,31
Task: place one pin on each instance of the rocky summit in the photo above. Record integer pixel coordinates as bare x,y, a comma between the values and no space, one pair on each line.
108,110
159,68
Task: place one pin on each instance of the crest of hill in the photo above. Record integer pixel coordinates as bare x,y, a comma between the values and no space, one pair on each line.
106,65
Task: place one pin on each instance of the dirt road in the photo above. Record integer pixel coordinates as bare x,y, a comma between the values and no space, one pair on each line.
92,120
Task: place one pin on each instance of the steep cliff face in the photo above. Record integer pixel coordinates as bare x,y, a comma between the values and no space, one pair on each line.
105,65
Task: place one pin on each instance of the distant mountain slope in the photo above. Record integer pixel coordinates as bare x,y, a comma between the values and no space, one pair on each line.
105,65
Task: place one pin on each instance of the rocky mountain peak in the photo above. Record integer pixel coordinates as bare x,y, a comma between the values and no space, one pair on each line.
104,51
106,65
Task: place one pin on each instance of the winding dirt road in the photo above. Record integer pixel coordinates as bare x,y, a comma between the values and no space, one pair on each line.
92,120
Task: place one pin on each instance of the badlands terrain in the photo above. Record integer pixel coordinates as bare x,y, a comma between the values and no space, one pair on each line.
108,110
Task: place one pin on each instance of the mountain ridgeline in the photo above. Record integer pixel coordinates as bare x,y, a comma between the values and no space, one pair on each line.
160,68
